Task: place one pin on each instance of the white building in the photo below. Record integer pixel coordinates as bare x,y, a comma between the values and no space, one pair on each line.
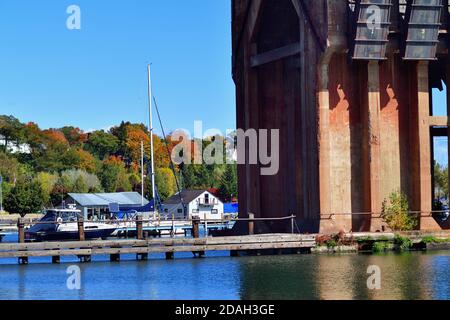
14,147
198,203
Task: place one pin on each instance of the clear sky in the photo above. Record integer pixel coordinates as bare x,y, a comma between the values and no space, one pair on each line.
440,109
96,77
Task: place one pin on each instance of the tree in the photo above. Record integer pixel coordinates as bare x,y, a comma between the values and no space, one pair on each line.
441,180
80,185
11,130
75,136
135,136
85,161
47,181
165,182
228,186
79,181
25,198
9,166
396,213
114,177
102,144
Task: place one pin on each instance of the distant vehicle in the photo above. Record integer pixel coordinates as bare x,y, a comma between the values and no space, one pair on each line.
445,214
62,225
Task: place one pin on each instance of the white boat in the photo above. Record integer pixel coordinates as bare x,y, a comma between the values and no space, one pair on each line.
62,224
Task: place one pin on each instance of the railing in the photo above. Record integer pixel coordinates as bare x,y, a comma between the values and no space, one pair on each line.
380,215
211,202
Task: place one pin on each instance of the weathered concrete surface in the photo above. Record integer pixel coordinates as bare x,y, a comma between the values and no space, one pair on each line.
352,132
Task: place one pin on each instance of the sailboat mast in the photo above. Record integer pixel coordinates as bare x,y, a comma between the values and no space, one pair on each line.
150,96
142,173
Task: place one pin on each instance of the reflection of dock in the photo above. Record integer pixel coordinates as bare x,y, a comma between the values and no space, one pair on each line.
142,248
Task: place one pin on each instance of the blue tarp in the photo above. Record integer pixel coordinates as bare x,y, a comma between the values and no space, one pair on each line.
124,211
230,208
147,208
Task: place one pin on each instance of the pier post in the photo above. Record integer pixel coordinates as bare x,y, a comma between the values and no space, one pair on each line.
114,257
172,232
21,228
21,239
80,222
292,224
169,255
195,227
142,256
139,229
251,224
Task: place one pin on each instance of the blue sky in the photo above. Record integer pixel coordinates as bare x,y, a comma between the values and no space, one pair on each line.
96,77
440,109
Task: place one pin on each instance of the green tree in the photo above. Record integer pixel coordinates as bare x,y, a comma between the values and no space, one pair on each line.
228,186
102,144
80,185
47,181
114,176
441,180
11,130
25,198
396,213
165,182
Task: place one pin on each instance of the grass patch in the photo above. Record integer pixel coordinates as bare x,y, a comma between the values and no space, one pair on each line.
403,243
381,246
331,244
364,239
431,239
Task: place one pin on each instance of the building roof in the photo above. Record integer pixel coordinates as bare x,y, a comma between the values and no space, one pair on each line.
187,195
104,199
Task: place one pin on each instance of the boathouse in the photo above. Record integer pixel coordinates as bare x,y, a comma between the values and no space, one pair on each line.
349,84
101,205
197,203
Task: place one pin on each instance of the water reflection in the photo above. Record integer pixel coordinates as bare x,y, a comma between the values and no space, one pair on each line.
405,276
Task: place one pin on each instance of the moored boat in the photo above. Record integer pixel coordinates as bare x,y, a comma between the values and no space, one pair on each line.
62,225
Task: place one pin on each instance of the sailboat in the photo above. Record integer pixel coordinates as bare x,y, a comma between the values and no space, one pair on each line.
161,225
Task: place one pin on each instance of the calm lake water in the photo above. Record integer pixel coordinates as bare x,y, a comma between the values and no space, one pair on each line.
404,276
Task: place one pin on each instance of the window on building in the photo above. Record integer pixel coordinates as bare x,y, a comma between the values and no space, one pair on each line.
195,211
206,198
214,211
180,210
374,19
423,29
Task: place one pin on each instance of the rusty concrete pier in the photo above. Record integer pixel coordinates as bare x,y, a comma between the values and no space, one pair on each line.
354,107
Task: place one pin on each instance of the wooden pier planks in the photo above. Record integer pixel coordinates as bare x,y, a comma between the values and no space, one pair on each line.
139,247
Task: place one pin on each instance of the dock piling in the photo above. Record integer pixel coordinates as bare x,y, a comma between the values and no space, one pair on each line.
21,229
251,224
139,229
80,222
169,256
195,227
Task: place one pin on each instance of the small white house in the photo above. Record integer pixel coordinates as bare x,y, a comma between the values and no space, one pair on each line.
197,203
14,147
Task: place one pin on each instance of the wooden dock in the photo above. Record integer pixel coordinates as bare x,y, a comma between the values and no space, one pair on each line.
84,250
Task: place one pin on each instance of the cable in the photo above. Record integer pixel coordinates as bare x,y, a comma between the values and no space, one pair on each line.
168,152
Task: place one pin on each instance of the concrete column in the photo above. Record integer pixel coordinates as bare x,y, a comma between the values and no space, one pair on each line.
423,126
324,140
374,136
